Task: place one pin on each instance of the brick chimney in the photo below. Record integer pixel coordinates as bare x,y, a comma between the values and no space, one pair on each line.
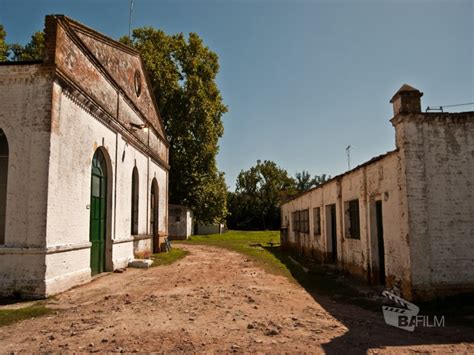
406,100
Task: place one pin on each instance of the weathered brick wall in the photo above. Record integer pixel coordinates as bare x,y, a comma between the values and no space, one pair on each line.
381,180
439,154
25,102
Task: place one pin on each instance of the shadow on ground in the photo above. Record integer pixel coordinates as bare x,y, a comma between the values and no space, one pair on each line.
359,308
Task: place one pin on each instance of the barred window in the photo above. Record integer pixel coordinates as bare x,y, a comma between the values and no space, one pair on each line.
352,219
293,222
317,221
300,221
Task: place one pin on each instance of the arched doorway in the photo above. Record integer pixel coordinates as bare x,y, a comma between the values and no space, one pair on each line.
4,152
98,209
154,221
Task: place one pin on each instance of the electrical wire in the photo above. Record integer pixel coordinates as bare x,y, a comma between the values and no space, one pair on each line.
466,104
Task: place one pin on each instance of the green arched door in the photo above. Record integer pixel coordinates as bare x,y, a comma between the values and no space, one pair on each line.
98,208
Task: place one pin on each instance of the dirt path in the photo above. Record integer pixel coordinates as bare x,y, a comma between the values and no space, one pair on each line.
214,301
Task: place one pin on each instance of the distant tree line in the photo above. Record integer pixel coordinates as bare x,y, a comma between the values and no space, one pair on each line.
259,192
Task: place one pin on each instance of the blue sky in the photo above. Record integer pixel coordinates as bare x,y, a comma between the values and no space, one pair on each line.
302,79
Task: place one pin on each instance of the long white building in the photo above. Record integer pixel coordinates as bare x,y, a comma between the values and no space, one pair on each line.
404,219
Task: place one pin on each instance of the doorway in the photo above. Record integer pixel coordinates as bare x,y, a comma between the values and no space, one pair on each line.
380,242
331,232
98,212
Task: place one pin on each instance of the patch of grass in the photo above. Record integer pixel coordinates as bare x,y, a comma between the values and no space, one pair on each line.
168,258
9,316
249,243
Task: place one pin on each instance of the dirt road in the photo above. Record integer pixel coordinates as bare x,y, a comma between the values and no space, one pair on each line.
213,301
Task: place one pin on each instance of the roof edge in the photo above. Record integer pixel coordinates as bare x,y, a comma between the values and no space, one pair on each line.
338,177
100,36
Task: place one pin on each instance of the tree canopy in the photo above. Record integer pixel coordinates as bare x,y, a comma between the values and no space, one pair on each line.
182,73
261,190
3,44
256,201
304,181
33,50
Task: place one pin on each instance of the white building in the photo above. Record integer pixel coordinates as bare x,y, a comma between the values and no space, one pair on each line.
180,222
404,219
83,163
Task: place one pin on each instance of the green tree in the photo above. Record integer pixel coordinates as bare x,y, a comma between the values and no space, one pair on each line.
258,195
33,50
304,181
3,44
182,73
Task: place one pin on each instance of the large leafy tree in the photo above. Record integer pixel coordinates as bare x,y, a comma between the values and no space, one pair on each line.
3,44
182,73
258,195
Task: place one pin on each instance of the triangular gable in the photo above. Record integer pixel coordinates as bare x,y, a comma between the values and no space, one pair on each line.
126,68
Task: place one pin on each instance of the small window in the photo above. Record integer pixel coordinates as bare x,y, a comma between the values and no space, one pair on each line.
317,220
352,219
305,217
298,220
302,221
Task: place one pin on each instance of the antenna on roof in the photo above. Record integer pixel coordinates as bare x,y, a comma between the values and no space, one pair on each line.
130,22
348,152
440,108
434,108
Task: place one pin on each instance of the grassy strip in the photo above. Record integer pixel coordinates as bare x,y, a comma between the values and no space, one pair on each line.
168,258
9,316
249,243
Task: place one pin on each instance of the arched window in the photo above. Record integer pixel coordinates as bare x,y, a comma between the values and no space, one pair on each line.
3,183
154,204
134,226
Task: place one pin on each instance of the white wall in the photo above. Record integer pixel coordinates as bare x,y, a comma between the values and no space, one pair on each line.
25,94
74,140
440,185
380,180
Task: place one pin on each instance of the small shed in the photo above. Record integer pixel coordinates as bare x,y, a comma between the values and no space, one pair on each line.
180,222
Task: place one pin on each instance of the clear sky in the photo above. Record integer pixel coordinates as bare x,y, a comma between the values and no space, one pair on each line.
302,79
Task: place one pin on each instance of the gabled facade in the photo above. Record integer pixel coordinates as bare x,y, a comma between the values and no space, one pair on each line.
404,219
84,162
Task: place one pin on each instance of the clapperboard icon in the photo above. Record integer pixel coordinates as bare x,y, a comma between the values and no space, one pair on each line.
406,310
